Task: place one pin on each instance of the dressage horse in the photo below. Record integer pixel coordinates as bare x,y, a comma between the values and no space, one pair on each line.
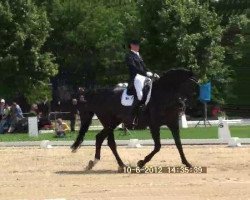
166,103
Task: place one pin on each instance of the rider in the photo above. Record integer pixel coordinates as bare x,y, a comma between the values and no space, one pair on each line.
136,66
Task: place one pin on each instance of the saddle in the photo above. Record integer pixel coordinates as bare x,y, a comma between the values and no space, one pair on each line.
143,88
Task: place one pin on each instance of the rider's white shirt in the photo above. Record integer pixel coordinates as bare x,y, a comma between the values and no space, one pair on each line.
137,53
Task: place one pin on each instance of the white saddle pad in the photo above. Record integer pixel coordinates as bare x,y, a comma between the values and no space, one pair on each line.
127,100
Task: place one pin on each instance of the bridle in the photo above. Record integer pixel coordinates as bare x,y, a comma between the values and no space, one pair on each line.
182,100
182,103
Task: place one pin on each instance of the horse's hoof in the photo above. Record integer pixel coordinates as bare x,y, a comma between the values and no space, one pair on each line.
120,169
188,164
90,165
140,163
73,150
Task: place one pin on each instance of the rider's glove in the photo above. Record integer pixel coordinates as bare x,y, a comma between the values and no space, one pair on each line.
156,76
149,74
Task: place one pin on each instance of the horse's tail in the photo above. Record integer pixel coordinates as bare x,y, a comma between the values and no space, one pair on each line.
86,119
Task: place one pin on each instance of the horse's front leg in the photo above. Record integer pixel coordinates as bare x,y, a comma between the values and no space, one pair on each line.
155,132
176,135
173,125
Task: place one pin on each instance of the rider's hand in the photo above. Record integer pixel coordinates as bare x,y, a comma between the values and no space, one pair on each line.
156,76
149,74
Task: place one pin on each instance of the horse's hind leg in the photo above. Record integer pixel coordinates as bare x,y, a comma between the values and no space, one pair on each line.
109,123
86,119
155,131
100,137
111,143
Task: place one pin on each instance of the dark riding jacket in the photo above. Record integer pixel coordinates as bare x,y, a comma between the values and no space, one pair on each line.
135,65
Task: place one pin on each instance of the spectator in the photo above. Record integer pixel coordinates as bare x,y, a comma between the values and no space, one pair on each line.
16,116
61,128
34,110
73,114
82,99
2,108
215,111
5,122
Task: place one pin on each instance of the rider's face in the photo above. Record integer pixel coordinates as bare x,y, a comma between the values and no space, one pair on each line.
135,47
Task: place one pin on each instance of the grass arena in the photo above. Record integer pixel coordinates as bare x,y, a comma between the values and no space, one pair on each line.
35,173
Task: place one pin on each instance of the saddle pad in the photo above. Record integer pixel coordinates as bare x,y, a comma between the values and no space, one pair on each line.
127,100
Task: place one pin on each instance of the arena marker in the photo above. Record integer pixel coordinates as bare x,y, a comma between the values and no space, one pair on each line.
234,142
33,126
183,121
134,143
223,130
45,144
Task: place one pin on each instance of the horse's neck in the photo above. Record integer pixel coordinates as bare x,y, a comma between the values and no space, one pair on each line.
165,93
166,86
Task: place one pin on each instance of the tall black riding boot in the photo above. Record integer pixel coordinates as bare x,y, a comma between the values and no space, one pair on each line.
138,109
135,114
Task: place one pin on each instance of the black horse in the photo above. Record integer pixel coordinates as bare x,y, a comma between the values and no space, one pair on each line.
164,107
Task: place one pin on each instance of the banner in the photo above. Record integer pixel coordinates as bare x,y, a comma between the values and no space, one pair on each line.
205,92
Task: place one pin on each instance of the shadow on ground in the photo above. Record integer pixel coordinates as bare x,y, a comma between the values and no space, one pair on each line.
87,172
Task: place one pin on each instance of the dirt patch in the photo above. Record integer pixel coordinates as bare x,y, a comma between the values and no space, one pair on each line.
34,174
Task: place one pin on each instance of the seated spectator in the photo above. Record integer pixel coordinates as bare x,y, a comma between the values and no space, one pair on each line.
16,115
61,128
5,122
34,110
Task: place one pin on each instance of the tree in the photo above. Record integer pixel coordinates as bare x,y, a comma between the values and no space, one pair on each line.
25,68
236,40
88,40
185,34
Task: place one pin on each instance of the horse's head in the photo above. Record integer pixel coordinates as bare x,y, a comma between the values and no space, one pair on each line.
189,91
183,83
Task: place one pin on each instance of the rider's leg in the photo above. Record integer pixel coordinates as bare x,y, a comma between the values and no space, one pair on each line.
140,104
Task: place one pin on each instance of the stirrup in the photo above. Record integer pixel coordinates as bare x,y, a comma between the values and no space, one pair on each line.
142,108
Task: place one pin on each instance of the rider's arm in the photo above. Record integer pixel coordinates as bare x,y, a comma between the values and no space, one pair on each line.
133,68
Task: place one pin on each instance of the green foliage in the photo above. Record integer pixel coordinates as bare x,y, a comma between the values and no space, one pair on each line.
242,69
88,40
235,22
24,66
186,34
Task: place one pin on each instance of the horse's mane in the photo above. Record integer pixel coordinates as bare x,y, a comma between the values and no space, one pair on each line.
176,75
172,76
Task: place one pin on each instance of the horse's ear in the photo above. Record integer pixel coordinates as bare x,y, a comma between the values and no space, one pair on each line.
190,69
191,73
